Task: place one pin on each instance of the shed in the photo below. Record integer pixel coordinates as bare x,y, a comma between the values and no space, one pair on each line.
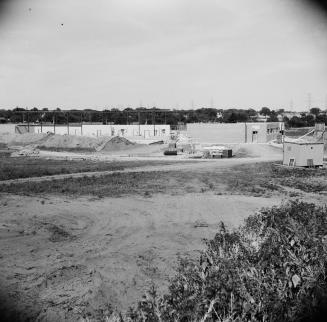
303,154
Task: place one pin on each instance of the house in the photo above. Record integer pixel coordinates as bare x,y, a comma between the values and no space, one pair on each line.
262,118
302,153
289,115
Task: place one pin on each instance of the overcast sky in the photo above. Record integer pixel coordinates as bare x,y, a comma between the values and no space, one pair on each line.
164,53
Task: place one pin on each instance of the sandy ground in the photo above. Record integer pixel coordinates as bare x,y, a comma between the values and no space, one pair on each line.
59,254
61,257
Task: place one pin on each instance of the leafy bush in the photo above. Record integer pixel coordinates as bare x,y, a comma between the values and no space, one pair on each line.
271,269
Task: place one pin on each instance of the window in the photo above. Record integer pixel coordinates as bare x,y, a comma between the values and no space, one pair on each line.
292,163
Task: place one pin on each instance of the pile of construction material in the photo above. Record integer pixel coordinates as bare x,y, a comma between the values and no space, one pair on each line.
179,143
172,149
116,143
27,152
213,152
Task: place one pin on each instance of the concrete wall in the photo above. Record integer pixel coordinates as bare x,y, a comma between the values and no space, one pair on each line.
302,152
213,133
7,128
265,132
96,130
216,132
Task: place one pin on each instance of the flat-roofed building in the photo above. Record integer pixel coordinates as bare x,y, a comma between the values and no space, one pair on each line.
96,130
216,133
302,153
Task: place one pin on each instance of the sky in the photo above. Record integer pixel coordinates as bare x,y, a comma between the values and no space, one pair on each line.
164,53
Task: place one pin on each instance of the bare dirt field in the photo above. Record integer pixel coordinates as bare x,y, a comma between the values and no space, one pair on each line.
64,255
79,245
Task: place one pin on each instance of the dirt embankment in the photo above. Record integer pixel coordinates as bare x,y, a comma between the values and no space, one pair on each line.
72,143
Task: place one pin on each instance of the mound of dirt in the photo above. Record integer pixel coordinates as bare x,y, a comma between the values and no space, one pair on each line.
23,139
70,143
117,143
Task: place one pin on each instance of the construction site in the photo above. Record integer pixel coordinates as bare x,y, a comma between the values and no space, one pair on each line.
88,215
163,161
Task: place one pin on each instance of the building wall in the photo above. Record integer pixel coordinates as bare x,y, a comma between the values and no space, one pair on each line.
7,128
265,131
96,130
233,132
216,132
302,152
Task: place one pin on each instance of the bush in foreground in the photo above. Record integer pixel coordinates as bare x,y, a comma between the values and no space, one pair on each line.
271,269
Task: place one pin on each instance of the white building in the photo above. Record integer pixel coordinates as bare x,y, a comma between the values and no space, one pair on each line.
303,154
96,130
221,133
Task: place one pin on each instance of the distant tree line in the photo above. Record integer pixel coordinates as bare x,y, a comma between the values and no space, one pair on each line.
315,116
154,115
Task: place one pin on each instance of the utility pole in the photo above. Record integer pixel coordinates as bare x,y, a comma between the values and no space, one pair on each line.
81,119
309,100
139,121
54,122
28,121
211,103
153,122
67,118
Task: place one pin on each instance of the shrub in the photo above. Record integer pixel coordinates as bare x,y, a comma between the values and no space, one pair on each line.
271,269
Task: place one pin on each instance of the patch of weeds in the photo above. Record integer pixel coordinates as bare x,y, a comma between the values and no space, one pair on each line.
58,234
147,194
293,194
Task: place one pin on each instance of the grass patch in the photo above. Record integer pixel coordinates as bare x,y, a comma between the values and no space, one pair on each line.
258,179
25,167
56,149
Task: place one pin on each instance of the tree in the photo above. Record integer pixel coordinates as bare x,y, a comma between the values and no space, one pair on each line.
273,117
265,111
296,121
315,111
